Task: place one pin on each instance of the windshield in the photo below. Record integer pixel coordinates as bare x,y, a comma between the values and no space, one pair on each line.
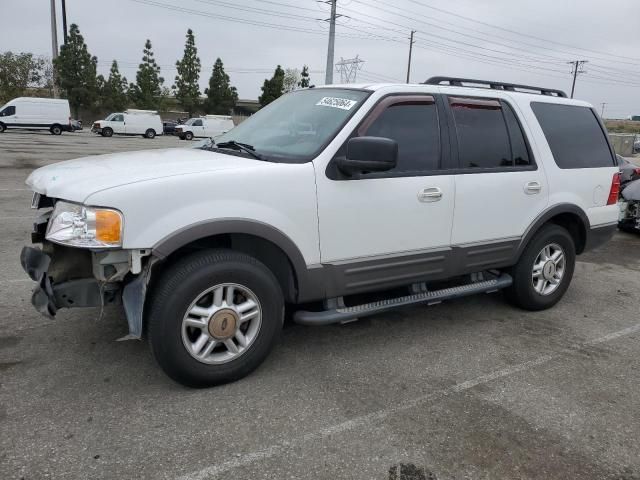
297,125
190,121
110,117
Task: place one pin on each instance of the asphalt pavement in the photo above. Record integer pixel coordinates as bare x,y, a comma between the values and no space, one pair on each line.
469,389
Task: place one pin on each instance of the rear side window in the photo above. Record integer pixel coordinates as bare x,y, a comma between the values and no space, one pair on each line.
574,135
414,125
11,110
488,133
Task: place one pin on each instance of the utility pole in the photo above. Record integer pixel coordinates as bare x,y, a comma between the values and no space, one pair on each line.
577,68
54,44
602,112
64,20
328,78
411,42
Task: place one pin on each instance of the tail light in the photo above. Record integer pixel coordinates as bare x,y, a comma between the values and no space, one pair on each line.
615,189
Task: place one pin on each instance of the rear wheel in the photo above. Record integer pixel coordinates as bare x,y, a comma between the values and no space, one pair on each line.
56,130
213,318
188,136
150,133
107,132
543,274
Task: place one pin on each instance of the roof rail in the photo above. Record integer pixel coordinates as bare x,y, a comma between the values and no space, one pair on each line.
510,87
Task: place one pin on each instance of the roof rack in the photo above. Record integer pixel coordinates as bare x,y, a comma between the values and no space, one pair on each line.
510,87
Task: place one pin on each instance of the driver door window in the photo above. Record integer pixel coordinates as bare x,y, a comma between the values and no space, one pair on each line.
415,126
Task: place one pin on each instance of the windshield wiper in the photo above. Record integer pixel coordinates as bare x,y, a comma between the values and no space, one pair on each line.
250,149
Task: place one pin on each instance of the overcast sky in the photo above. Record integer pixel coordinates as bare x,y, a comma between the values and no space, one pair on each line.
520,41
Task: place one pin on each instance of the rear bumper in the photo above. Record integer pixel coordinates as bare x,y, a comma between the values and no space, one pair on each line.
599,235
48,297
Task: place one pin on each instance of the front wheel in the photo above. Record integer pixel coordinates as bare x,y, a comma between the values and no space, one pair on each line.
151,133
543,274
188,136
2,128
107,132
213,317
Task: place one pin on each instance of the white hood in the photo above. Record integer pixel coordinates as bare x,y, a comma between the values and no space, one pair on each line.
75,180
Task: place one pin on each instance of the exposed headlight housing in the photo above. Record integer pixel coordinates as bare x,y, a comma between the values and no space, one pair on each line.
89,227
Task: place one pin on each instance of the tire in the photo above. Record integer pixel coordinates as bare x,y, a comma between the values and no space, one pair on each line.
107,132
2,128
188,136
523,292
151,133
199,276
56,130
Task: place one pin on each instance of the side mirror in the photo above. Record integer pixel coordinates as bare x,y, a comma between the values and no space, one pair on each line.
369,154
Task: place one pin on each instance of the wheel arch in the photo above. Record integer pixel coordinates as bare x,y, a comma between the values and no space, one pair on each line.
566,215
260,240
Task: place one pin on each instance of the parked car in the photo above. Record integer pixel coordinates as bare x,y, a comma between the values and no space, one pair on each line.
169,127
76,124
628,171
32,113
131,122
636,145
629,220
210,126
413,193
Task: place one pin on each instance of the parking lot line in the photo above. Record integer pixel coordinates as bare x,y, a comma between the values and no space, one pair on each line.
375,417
22,217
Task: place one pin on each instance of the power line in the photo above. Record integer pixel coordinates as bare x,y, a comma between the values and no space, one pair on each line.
447,12
348,69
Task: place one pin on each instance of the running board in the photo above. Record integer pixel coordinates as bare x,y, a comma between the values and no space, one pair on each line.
345,314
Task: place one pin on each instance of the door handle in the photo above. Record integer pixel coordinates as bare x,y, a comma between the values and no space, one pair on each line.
431,194
532,188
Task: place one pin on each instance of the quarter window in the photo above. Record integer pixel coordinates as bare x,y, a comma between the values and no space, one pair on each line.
414,125
574,135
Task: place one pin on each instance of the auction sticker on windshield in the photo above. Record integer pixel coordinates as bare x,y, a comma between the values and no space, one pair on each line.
343,103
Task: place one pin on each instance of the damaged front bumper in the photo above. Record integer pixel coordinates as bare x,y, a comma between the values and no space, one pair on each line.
48,297
64,280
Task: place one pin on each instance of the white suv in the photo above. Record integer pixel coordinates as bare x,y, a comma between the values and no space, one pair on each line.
351,200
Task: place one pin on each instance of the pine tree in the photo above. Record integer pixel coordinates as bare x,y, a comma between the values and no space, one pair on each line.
291,80
305,80
76,72
114,90
273,87
221,96
186,87
147,90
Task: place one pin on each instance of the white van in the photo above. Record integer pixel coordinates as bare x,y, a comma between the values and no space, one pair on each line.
130,122
29,113
209,126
